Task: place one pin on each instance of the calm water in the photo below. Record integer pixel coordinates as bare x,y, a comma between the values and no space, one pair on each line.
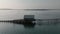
19,14
10,28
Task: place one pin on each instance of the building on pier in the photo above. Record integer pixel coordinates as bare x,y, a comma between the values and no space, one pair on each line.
28,19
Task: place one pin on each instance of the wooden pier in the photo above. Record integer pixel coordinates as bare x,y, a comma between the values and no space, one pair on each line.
47,21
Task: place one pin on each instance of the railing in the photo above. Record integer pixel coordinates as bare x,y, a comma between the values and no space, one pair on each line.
47,21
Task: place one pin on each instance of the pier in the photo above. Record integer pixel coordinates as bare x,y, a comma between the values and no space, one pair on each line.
47,21
37,21
30,20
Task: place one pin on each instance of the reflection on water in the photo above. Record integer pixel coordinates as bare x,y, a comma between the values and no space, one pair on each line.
10,28
29,26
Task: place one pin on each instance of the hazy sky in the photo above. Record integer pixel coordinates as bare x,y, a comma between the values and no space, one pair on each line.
30,4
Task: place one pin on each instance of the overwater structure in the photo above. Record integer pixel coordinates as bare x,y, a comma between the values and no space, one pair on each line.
28,19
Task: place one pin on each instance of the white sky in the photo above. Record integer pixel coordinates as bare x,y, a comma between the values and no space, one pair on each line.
30,4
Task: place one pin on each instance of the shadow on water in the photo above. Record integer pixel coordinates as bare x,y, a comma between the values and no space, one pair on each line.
29,26
26,24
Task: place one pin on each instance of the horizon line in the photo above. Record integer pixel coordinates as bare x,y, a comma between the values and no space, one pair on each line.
26,9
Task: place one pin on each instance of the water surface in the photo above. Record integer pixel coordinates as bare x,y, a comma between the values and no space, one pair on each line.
19,14
10,28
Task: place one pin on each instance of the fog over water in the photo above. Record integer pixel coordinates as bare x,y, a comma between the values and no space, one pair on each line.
19,14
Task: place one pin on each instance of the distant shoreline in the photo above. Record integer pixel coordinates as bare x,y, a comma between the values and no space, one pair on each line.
29,9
